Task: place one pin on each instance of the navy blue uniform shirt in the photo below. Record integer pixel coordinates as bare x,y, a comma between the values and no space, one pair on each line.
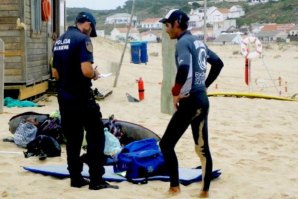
70,50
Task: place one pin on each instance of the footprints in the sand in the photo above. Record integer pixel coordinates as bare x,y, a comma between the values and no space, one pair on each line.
4,194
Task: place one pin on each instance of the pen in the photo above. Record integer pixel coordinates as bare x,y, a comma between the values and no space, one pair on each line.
94,72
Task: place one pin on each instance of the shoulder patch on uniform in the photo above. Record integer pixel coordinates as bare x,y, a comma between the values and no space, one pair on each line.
89,46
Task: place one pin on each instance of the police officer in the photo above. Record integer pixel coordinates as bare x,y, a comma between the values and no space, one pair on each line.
72,65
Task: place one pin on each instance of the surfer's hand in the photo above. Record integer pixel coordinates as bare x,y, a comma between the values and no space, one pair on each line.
176,101
177,98
183,96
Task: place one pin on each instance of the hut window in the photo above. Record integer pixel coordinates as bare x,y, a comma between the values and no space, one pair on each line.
36,18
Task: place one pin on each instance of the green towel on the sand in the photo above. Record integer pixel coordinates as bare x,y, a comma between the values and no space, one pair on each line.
10,102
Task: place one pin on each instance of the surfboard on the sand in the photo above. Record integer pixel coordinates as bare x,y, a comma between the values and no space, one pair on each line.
134,131
250,95
186,175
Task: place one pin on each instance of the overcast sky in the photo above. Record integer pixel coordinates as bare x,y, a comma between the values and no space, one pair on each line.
95,4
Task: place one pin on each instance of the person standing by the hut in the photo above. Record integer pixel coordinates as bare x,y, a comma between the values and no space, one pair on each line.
72,64
189,98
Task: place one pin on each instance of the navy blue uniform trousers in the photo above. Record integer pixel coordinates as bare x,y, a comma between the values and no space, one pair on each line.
79,114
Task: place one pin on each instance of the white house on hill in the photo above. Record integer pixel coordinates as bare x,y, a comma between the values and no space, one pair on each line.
230,38
223,26
151,36
294,31
253,2
213,14
196,20
119,34
236,12
233,1
269,36
151,23
121,18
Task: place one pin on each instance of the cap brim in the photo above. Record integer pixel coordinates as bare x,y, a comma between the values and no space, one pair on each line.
93,31
164,20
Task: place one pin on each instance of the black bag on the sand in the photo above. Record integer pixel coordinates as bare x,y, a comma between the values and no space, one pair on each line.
52,127
37,118
43,146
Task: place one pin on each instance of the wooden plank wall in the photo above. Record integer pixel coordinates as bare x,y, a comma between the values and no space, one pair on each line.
26,60
12,37
37,50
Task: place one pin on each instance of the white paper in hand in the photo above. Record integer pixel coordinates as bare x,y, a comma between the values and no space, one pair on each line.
102,75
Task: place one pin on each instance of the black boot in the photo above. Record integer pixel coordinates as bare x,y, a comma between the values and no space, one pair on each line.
78,182
102,185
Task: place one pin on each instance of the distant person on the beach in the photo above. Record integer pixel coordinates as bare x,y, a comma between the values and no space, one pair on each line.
72,65
189,98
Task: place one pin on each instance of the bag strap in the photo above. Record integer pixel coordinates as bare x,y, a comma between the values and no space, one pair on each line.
143,180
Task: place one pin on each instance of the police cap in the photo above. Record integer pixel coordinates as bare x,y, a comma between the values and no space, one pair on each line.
86,16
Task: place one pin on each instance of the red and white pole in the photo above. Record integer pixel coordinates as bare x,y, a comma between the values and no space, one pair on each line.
247,71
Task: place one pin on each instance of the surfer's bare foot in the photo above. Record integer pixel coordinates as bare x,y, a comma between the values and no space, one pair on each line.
204,194
174,190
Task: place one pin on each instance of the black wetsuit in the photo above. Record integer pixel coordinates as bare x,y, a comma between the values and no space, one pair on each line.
191,56
78,108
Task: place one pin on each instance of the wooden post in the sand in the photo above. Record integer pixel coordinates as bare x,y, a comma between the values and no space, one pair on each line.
125,45
2,55
169,73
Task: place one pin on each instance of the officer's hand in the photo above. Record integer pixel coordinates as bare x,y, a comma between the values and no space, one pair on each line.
96,74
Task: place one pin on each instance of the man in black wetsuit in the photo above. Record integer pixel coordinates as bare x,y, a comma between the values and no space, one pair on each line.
72,67
189,97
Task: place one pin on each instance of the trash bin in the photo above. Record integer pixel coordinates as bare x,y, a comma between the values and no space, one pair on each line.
144,54
139,52
135,52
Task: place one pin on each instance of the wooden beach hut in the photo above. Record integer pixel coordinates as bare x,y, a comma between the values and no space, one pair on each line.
28,29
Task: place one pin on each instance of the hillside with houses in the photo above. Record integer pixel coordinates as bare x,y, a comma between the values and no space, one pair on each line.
227,21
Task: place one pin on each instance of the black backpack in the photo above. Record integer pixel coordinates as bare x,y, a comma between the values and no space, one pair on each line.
43,146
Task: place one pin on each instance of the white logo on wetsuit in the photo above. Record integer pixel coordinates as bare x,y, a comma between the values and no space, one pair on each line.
180,61
202,55
202,58
199,78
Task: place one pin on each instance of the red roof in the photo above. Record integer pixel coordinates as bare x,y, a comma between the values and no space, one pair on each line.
223,10
151,20
282,27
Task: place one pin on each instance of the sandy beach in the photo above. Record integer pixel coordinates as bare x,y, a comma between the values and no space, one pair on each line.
253,141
